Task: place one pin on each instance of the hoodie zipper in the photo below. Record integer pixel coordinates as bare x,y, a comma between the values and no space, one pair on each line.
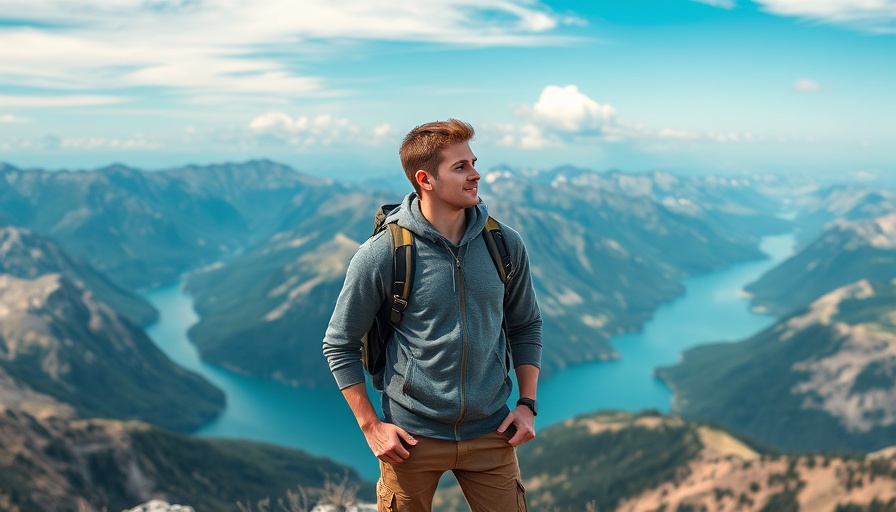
463,327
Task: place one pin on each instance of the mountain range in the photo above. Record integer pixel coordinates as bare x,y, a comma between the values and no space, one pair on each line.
264,251
816,209
820,379
846,252
602,262
143,229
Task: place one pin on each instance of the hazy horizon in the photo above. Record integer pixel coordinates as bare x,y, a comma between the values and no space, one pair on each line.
688,86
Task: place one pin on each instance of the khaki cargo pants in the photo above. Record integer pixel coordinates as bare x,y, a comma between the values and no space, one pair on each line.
486,469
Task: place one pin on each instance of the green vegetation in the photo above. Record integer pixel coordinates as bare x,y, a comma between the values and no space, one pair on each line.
578,467
875,506
877,375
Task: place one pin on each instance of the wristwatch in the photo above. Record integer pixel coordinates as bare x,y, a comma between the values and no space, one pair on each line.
530,403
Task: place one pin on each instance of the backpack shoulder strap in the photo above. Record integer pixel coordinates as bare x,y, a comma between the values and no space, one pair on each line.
402,270
498,249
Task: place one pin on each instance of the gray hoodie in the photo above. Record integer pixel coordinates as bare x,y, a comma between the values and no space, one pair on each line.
446,374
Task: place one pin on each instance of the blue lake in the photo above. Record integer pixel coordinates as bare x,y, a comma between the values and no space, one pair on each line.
318,421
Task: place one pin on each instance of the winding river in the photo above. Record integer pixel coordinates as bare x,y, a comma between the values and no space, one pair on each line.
318,421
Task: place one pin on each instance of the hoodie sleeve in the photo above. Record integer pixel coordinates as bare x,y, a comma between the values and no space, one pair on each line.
360,299
521,309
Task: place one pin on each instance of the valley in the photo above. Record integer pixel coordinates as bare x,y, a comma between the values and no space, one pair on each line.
619,262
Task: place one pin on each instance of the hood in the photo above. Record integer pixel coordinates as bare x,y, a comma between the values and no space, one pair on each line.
409,216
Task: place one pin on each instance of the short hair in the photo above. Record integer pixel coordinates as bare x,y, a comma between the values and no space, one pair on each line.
422,147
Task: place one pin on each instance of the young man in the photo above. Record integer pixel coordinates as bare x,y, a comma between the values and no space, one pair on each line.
446,384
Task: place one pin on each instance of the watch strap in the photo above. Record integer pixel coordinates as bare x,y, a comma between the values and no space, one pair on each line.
530,403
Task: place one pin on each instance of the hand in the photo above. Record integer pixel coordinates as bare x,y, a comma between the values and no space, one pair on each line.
387,441
524,421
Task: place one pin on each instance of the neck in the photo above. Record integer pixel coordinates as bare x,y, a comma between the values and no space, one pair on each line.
449,222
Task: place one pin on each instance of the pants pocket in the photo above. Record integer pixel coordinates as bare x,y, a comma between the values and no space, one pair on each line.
520,496
385,497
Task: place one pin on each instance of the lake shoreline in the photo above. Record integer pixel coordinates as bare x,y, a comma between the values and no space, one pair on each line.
318,421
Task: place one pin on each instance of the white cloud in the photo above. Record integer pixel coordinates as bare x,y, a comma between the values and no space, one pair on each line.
565,115
877,16
309,132
806,85
871,15
566,109
523,136
226,47
59,101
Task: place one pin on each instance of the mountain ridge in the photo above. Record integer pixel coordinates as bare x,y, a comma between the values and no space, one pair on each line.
826,374
56,338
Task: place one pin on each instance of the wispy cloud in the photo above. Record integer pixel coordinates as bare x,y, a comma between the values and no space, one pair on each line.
724,4
871,15
806,85
225,47
878,16
53,142
312,132
11,119
59,101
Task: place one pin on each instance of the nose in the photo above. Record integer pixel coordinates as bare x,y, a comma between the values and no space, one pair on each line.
475,176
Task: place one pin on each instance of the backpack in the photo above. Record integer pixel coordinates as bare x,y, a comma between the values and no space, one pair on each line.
373,353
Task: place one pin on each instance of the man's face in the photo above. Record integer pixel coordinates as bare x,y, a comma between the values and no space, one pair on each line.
457,185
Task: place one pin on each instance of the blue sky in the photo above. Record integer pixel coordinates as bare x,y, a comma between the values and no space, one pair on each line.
331,86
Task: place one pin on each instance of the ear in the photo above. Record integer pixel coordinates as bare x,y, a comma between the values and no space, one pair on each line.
423,179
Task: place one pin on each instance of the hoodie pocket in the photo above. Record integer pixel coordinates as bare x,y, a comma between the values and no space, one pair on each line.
407,387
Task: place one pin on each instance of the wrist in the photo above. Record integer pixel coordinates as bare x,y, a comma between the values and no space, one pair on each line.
529,403
368,423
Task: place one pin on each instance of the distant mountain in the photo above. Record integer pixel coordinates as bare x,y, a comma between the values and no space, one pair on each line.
601,262
265,311
646,462
740,205
606,248
847,252
823,378
28,255
60,465
143,229
58,339
817,211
